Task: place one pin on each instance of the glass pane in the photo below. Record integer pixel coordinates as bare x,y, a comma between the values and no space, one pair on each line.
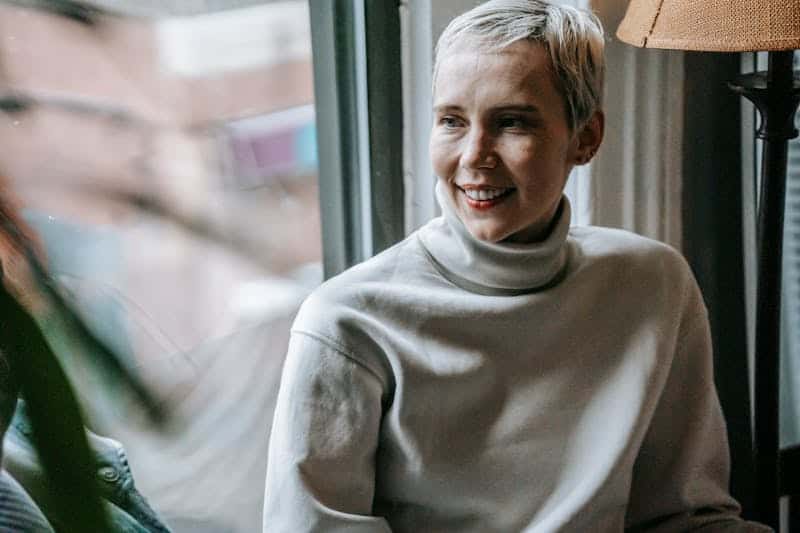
168,164
790,371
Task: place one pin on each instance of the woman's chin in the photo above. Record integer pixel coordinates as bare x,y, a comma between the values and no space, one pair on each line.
486,233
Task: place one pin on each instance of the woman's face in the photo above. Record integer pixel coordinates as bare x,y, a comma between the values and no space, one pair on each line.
500,141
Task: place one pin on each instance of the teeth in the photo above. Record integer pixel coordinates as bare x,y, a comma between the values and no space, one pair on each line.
484,194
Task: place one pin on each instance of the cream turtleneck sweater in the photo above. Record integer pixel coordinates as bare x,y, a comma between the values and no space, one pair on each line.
452,385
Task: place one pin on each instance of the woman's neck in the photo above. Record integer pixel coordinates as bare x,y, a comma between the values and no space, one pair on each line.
496,268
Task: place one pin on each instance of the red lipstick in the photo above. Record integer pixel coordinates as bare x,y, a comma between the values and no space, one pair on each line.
485,205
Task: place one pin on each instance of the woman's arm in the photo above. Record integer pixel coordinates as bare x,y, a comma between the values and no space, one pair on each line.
680,479
321,470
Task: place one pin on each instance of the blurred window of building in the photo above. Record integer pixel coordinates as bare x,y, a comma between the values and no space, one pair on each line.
166,154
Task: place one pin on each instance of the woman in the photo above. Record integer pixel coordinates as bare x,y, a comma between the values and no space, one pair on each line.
497,370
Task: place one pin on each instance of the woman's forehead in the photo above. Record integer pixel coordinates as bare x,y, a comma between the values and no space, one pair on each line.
517,71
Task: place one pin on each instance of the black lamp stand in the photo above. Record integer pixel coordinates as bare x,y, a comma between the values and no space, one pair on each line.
776,94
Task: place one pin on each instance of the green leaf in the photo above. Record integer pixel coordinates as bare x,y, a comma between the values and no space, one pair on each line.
56,421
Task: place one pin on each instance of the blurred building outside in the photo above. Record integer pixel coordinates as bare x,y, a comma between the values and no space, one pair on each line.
210,117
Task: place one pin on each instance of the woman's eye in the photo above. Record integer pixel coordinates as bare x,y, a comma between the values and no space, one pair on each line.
449,122
512,123
517,122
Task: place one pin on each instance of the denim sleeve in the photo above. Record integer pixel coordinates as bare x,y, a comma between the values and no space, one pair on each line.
18,512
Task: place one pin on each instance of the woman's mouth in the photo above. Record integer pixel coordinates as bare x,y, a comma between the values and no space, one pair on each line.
486,198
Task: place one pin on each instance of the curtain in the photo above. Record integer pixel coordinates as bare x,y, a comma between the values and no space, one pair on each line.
634,182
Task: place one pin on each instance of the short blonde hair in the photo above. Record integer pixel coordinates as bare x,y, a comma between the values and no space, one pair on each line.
572,36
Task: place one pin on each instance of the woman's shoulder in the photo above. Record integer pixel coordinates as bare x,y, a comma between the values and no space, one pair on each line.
366,287
630,252
386,268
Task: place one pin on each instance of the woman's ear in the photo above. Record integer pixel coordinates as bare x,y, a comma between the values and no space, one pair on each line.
589,138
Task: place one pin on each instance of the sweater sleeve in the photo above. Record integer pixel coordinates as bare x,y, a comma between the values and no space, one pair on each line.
680,478
321,472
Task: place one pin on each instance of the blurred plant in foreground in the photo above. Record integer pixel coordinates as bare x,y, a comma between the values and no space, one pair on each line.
35,373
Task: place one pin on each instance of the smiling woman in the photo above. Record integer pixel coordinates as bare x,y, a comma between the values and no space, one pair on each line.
498,370
504,150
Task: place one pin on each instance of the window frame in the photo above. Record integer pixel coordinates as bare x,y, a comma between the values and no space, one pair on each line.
356,52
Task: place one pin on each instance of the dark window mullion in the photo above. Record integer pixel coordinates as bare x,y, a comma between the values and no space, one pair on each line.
385,106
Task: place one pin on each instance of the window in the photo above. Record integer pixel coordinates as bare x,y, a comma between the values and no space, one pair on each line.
358,88
790,364
165,152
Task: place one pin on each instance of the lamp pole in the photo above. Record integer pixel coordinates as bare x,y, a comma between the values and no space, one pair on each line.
776,94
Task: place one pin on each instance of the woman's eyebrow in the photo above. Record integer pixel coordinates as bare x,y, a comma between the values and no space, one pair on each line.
447,108
519,108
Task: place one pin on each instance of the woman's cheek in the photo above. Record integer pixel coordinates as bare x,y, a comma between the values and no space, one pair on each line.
441,158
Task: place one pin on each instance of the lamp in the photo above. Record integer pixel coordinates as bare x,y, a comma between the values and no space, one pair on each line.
739,26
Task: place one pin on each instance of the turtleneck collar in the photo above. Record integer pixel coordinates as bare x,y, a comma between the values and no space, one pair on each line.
495,268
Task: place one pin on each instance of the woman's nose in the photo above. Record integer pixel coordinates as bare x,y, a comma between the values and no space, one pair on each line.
478,150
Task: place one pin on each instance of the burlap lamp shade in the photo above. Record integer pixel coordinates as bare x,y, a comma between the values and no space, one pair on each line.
712,25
